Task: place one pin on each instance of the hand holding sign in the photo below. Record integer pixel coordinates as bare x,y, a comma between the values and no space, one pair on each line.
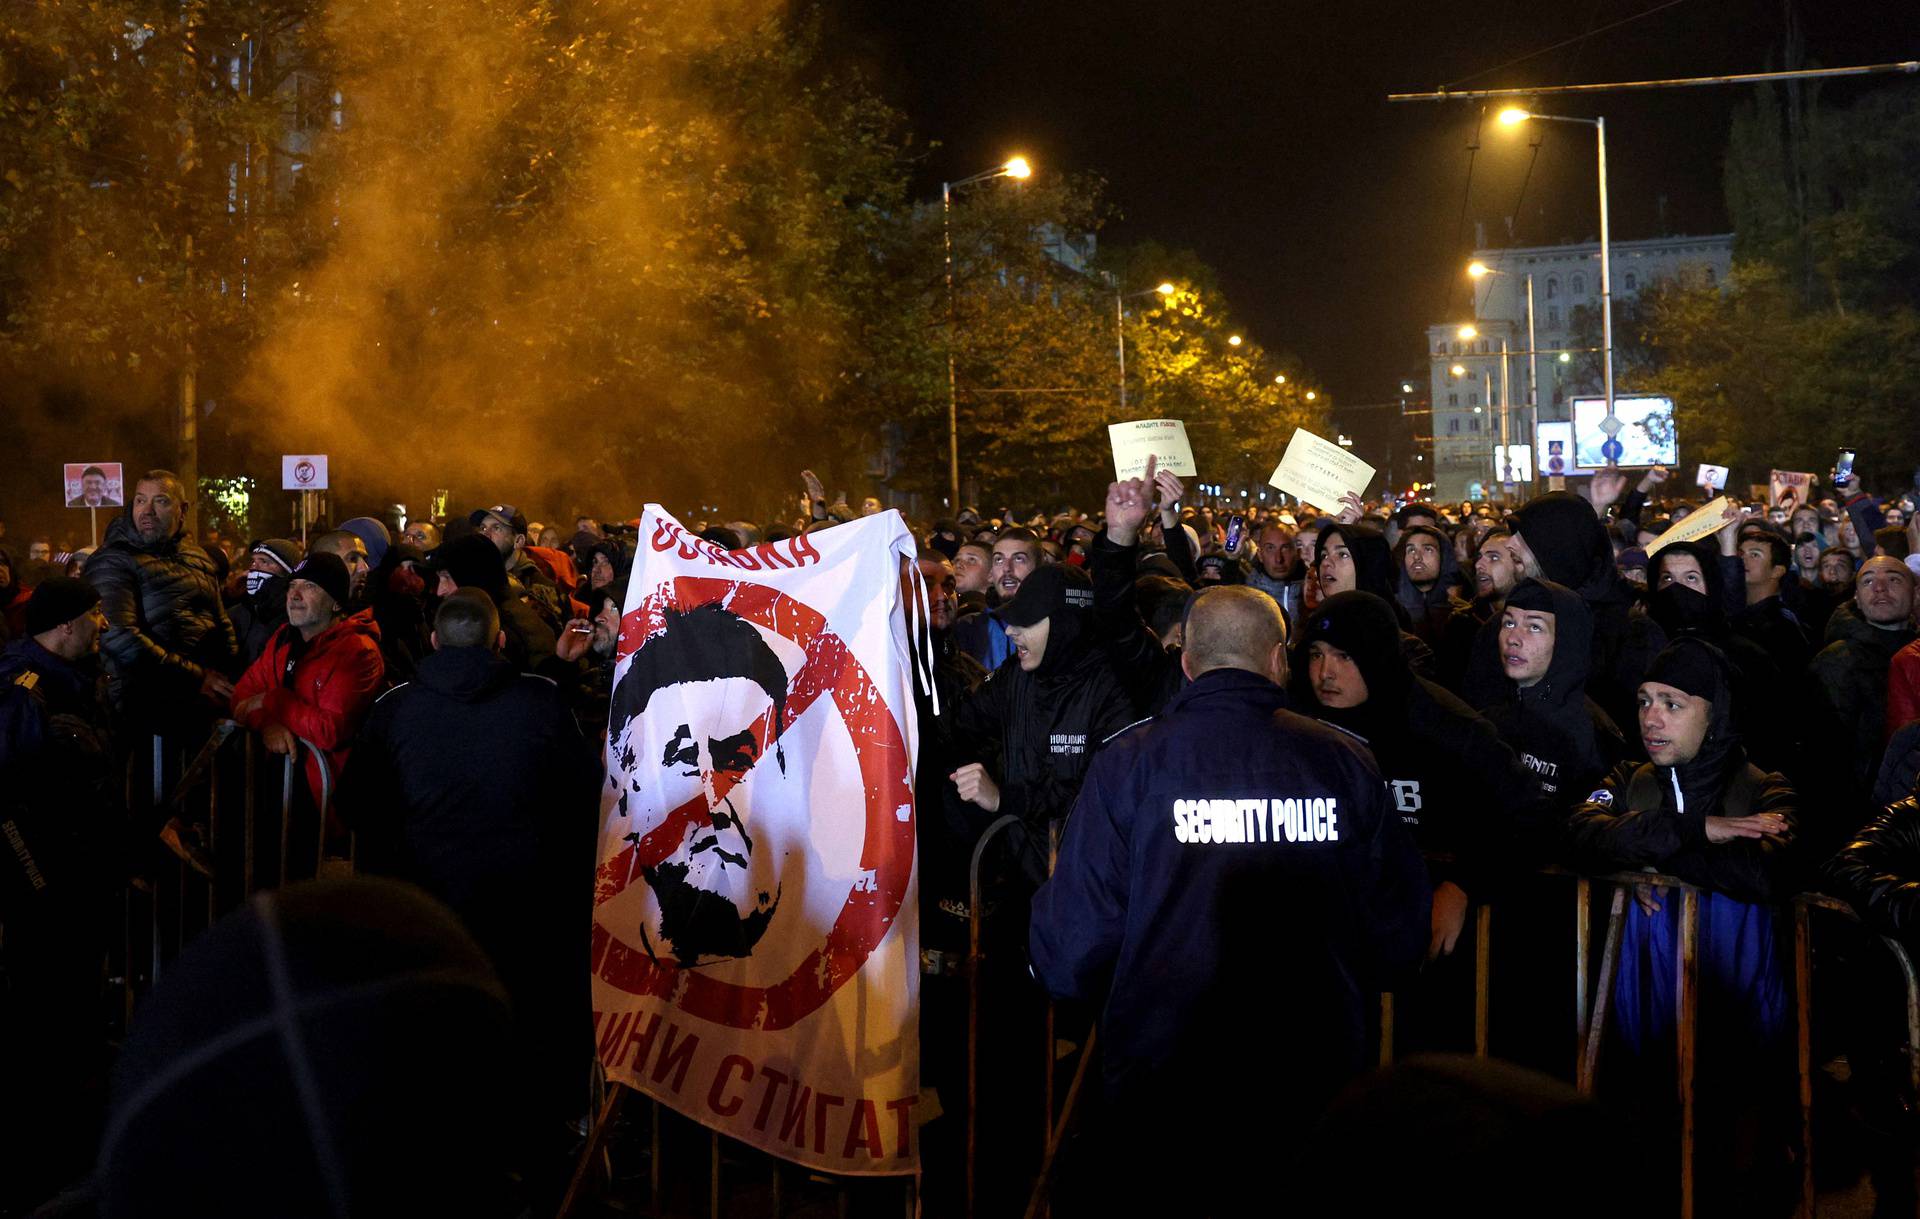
1163,441
1320,472
1719,514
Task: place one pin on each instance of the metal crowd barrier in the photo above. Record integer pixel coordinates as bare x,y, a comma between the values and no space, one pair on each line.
1592,1004
178,901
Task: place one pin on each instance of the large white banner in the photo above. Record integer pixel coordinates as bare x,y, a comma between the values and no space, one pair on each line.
755,939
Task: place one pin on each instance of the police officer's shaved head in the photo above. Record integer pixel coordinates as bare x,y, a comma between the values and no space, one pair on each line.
1234,627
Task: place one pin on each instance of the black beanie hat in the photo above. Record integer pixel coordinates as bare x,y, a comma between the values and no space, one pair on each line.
327,571
58,600
474,562
281,1067
1692,666
1567,538
1365,627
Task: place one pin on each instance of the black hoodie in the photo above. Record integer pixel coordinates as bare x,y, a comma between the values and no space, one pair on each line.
1571,545
1375,572
1452,779
1561,735
1645,815
1037,731
1682,611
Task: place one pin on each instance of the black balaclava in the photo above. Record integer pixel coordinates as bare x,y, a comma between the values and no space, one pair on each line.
1365,627
1696,667
1687,611
1569,541
1566,677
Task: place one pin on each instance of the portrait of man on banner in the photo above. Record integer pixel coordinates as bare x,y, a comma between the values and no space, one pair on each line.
701,703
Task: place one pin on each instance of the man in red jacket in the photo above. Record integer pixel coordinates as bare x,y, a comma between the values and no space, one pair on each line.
319,673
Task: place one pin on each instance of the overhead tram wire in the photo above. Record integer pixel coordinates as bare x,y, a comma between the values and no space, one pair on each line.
1567,42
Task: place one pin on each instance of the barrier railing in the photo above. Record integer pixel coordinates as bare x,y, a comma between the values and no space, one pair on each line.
168,905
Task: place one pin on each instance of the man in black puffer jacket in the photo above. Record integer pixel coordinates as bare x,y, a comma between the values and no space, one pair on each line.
1557,536
168,642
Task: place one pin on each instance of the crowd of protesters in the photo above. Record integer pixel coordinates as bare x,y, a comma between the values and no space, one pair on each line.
1490,690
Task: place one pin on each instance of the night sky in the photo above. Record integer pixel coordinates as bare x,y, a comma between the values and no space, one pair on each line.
1258,134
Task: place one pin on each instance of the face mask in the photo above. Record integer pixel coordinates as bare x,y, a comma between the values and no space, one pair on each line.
257,580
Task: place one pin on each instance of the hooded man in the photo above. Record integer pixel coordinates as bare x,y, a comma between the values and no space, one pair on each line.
1357,558
1700,811
1546,650
1042,714
1452,779
1422,587
1688,596
1557,536
263,608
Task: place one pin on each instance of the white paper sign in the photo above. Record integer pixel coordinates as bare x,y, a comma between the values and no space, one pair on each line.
1320,472
1704,523
1789,489
1713,478
303,472
1164,439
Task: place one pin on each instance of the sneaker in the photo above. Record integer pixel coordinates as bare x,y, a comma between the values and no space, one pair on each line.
189,843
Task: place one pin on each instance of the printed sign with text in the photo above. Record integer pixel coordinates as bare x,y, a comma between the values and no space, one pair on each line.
1164,439
1319,471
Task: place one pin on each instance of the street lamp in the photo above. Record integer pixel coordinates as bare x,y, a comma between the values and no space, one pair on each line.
1513,116
1013,167
1280,379
1234,340
1311,395
1164,288
1458,370
1480,270
1468,332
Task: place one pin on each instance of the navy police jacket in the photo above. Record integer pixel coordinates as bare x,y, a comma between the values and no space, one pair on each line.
1234,888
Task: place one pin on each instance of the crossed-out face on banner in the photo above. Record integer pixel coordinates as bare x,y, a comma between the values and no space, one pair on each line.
705,747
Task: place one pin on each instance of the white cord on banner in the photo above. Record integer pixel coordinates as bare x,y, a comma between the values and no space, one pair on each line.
923,640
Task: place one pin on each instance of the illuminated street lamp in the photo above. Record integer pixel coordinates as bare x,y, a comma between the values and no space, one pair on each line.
1458,370
1234,340
1013,167
1311,395
1468,332
1164,288
1513,116
1281,379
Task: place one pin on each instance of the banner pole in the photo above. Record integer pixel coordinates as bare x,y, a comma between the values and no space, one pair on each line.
616,1095
93,525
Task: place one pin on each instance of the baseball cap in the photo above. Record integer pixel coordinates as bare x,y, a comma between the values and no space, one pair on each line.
1053,589
506,514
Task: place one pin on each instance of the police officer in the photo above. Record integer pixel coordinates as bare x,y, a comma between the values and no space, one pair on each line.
56,823
1233,888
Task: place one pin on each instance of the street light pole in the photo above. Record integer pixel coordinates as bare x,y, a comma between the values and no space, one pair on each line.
1515,115
1120,328
1014,168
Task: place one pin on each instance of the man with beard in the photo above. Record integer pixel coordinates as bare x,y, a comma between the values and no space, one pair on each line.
506,528
168,642
1468,632
1421,588
1848,696
1699,810
1014,557
473,782
701,704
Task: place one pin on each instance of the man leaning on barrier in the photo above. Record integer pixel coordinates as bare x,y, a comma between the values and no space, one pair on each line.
1233,888
1700,811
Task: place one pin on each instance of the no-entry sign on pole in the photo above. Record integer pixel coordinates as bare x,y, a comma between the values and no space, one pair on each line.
303,472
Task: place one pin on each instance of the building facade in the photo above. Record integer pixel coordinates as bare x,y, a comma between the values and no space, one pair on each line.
1479,404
